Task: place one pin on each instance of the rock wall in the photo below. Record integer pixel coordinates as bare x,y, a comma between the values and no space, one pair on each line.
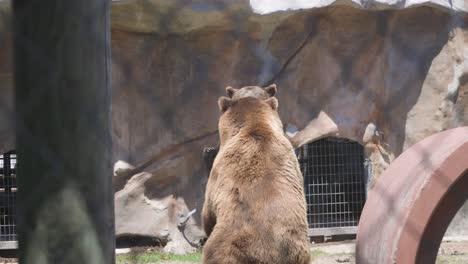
382,76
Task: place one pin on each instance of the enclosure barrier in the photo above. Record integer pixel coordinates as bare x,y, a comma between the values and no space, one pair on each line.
413,202
8,238
335,174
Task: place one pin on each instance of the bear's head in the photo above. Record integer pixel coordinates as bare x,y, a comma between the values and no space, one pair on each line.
250,108
251,91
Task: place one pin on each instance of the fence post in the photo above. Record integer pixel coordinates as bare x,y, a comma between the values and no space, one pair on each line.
62,80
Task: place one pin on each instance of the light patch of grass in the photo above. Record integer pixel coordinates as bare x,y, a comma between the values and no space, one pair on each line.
315,253
156,257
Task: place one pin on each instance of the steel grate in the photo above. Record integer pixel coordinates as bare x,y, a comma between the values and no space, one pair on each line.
334,182
8,197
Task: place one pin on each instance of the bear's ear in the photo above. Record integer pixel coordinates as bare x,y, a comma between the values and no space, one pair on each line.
231,91
271,89
224,103
273,102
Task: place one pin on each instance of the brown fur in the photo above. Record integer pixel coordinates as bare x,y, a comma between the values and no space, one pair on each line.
251,91
254,210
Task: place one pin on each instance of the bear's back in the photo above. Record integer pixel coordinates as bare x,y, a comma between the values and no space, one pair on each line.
254,210
259,198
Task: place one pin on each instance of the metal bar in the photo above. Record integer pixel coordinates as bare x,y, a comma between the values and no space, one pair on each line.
8,244
331,231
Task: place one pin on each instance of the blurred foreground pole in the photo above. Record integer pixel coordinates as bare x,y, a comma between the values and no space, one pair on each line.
62,75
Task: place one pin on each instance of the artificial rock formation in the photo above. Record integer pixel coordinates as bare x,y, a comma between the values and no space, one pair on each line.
383,73
395,74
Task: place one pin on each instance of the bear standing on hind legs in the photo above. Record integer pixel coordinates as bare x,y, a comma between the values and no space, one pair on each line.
255,209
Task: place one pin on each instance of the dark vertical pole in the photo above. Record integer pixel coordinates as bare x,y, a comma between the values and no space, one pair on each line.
65,196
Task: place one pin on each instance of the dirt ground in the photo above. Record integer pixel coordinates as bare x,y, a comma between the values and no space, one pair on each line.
336,253
343,253
8,260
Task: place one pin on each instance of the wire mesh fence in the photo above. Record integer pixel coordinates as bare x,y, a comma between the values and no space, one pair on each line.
334,183
8,197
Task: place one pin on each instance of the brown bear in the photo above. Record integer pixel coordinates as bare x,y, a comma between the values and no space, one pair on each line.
209,153
254,209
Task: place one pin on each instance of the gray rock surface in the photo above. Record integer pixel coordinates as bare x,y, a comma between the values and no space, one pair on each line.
338,69
269,6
